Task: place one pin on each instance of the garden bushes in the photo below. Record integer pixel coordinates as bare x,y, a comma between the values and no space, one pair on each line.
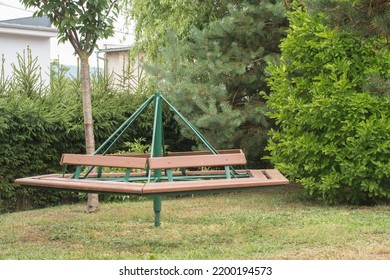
333,135
30,135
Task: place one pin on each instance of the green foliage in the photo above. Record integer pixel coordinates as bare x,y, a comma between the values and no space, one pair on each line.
364,17
154,18
30,139
138,146
27,74
214,76
80,22
333,136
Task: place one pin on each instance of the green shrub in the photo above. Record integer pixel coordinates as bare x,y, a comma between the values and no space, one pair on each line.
30,136
333,135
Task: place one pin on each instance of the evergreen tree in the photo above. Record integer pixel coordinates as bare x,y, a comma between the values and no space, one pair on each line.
215,76
154,18
365,17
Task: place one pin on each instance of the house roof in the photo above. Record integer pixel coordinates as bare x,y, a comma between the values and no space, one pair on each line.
115,49
31,26
43,21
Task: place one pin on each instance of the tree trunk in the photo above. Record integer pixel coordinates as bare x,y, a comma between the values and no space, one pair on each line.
93,199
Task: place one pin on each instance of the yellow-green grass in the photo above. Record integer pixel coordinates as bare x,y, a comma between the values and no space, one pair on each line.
267,224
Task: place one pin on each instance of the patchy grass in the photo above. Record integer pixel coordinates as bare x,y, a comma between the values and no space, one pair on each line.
267,224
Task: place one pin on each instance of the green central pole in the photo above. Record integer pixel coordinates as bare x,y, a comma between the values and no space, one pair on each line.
157,151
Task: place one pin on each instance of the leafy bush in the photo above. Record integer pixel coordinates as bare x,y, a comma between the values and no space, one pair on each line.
333,136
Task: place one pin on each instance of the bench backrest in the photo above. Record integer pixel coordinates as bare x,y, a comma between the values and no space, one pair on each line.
170,162
100,160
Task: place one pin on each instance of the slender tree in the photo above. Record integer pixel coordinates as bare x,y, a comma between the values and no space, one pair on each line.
82,23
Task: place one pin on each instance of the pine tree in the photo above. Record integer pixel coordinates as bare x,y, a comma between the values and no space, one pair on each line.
216,75
365,17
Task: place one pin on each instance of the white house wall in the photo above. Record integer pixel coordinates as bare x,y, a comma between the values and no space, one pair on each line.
11,45
117,63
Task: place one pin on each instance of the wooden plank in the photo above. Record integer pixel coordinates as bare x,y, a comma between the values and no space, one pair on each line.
82,185
275,174
189,153
197,161
257,173
213,172
194,153
100,160
131,155
207,185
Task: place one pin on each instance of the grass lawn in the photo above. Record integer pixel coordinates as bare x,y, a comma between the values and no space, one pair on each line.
267,224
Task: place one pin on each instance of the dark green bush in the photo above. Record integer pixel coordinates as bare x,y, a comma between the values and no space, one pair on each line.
29,137
334,135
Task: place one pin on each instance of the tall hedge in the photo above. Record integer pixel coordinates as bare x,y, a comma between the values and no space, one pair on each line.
37,126
30,138
334,135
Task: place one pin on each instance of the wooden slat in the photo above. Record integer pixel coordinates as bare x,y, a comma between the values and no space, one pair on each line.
207,185
257,173
82,185
275,174
99,160
196,161
189,153
194,153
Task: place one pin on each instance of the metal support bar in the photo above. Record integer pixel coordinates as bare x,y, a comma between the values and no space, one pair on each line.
77,172
127,175
157,151
169,175
99,171
157,210
227,172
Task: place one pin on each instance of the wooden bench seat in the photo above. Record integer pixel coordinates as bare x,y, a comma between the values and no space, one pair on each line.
196,161
187,161
100,161
104,161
